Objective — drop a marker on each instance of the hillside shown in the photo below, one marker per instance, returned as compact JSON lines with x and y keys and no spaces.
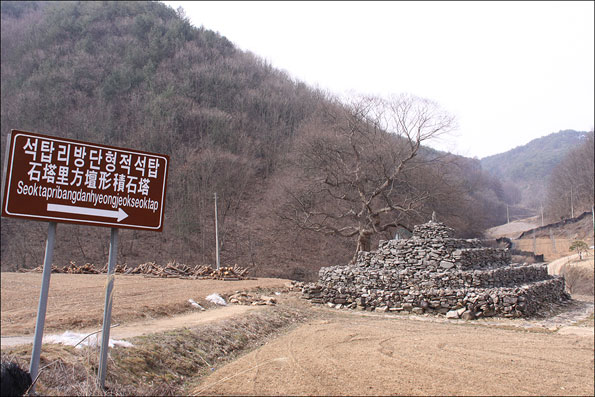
{"x":139,"y":75}
{"x":527,"y":167}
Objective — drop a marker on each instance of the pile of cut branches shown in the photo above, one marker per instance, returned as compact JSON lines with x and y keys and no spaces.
{"x":151,"y":269}
{"x":71,"y":268}
{"x":197,"y":272}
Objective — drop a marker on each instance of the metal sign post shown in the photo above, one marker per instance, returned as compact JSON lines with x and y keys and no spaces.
{"x":54,"y":179}
{"x":107,"y":310}
{"x":43,"y":301}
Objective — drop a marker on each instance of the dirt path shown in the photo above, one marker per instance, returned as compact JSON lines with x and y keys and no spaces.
{"x":554,"y":267}
{"x":351,"y":354}
{"x":138,"y":328}
{"x":76,"y":300}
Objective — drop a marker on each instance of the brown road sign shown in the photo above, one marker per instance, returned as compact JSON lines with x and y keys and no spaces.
{"x":63,"y":180}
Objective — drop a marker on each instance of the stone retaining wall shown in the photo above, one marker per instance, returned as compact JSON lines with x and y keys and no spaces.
{"x":435,"y":273}
{"x":517,"y":301}
{"x":397,"y":279}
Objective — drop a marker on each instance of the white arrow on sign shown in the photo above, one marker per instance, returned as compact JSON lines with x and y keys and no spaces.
{"x":71,"y":209}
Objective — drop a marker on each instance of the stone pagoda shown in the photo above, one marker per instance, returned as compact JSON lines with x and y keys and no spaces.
{"x":433,"y":272}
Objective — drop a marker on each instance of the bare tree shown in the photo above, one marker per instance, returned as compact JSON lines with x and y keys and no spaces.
{"x":355,"y":165}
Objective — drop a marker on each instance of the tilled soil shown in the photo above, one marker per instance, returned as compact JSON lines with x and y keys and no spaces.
{"x":355,"y":355}
{"x":76,"y":301}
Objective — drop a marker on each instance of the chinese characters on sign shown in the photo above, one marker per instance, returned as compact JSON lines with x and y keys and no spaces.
{"x":63,"y":180}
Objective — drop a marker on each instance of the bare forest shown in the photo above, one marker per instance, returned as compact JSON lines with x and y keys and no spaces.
{"x":304,"y":180}
{"x":571,"y":186}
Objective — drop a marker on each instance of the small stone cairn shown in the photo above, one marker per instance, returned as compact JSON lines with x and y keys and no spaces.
{"x":432,"y":272}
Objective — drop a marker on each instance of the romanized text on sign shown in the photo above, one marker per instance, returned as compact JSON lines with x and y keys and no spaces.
{"x":64,"y":180}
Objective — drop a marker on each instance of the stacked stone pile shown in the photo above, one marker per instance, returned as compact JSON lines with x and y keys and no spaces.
{"x":251,"y":298}
{"x":435,"y":254}
{"x":432,"y":230}
{"x":435,"y":273}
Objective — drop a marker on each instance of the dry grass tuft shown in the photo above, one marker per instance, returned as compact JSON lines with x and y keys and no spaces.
{"x":579,"y":279}
{"x":65,"y":370}
{"x":177,"y":357}
{"x":166,"y":363}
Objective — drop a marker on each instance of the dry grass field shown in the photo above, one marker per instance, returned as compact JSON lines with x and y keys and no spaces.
{"x":355,"y":355}
{"x":553,"y":241}
{"x":512,"y":229}
{"x":76,"y":301}
{"x":551,"y":250}
{"x":579,"y":274}
{"x":293,"y":348}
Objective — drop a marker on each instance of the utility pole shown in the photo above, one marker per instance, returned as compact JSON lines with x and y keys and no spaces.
{"x":507,"y":216}
{"x":216,"y":233}
{"x":571,"y":204}
{"x":541,"y":205}
{"x":593,"y":214}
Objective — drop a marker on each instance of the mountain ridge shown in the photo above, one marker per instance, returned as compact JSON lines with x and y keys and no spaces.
{"x":528,"y":166}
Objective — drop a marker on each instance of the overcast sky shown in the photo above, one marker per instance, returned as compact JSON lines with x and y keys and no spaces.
{"x":509,"y":71}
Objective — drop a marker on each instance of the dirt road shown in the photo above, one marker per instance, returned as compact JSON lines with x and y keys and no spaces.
{"x":356,"y":355}
{"x":554,"y":267}
{"x":76,"y":300}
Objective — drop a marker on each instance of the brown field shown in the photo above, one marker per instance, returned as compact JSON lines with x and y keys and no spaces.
{"x":355,"y":355}
{"x":326,"y":352}
{"x":512,"y":229}
{"x":544,"y":245}
{"x":76,"y":301}
{"x":553,"y":241}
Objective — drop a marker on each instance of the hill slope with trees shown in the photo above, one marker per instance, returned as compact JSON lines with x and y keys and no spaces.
{"x":571,"y":185}
{"x":526,"y":167}
{"x":139,"y":75}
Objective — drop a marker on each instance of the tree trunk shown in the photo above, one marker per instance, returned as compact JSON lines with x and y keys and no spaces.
{"x":363,"y":243}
